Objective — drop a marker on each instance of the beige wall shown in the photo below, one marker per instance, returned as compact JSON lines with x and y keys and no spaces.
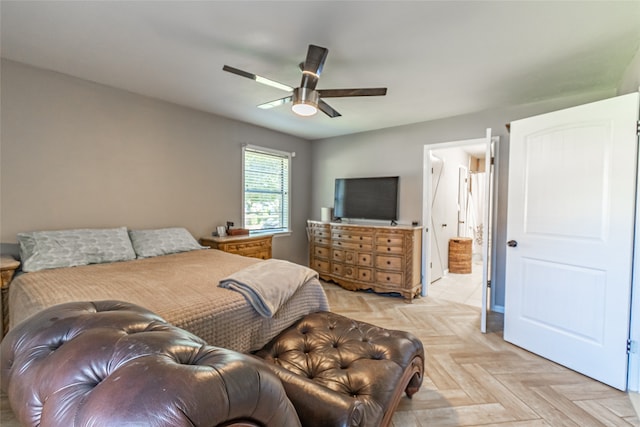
{"x":399,"y":151}
{"x":79,"y":154}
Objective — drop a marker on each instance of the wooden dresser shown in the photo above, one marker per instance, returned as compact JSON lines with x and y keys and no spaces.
{"x":8,"y":267}
{"x":380,"y":258}
{"x":251,"y":246}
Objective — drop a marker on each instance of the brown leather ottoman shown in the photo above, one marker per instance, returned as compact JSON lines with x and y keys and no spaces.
{"x":340,"y":372}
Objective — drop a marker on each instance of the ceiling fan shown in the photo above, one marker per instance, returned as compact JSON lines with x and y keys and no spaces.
{"x":306,"y":99}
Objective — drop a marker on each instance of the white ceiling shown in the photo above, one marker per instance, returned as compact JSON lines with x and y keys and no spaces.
{"x":437,"y":59}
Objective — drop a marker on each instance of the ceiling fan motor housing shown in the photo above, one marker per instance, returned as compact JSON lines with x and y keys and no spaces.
{"x":305,"y":97}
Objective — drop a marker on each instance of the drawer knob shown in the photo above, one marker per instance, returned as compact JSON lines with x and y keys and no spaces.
{"x":388,"y":278}
{"x":388,"y":240}
{"x":388,"y":262}
{"x":388,"y":249}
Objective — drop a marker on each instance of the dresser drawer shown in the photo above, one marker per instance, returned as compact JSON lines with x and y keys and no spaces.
{"x":321,"y":252}
{"x":365,"y":260}
{"x":321,"y":266}
{"x":389,"y":262}
{"x":389,"y":240}
{"x":245,"y":247}
{"x":337,"y":268}
{"x":321,"y":232}
{"x":261,"y":254}
{"x":351,"y":237}
{"x":385,"y":249}
{"x":251,"y":246}
{"x":365,"y":274}
{"x":345,"y":244}
{"x":349,"y":272}
{"x":338,"y":255}
{"x":318,"y":240}
{"x":316,"y":226}
{"x":385,"y":277}
{"x":350,"y":257}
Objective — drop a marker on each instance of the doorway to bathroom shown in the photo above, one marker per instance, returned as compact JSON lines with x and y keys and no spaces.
{"x":457,"y":213}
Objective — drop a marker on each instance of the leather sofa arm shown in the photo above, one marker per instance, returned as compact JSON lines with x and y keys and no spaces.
{"x":110,"y":363}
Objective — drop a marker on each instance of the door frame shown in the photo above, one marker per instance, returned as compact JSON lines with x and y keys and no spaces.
{"x":426,"y":206}
{"x":633,"y":364}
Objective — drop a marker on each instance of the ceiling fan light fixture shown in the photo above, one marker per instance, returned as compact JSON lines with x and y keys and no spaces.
{"x":304,"y":109}
{"x":305,"y":101}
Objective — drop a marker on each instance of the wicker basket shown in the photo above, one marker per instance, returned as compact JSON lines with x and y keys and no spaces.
{"x":460,"y":255}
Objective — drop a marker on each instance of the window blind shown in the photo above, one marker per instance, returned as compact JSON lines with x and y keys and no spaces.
{"x":266,"y":189}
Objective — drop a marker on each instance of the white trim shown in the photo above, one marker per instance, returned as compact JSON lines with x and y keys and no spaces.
{"x":426,"y":209}
{"x":268,"y":150}
{"x":272,"y":151}
{"x":633,"y":365}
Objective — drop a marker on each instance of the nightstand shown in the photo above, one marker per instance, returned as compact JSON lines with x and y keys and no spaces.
{"x":8,"y":267}
{"x":251,"y":246}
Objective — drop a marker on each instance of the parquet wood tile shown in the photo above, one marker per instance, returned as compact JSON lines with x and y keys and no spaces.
{"x":475,"y":379}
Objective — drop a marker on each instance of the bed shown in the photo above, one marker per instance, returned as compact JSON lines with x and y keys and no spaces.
{"x":180,"y":287}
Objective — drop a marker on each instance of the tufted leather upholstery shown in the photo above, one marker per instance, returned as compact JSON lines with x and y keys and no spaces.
{"x":111,"y":363}
{"x":341,"y":372}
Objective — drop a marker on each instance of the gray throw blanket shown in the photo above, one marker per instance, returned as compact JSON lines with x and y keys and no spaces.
{"x":269,"y":284}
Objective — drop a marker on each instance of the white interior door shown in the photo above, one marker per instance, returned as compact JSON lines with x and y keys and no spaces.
{"x":572,"y":177}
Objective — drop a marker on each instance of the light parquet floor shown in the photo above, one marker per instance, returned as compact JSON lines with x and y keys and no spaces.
{"x":474,"y":379}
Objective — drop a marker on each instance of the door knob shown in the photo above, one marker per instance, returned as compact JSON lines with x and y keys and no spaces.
{"x":512,"y":243}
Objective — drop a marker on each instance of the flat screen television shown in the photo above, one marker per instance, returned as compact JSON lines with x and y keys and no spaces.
{"x":366,"y":198}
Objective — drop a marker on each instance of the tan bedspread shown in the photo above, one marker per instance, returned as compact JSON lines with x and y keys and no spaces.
{"x":182,"y":288}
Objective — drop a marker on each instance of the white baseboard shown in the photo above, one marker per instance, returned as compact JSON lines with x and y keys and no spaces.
{"x":498,"y":308}
{"x":635,"y":402}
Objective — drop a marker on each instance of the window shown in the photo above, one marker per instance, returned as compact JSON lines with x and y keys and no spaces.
{"x":265,"y":189}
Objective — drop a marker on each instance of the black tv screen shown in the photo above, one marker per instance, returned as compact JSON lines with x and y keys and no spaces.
{"x":366,"y":198}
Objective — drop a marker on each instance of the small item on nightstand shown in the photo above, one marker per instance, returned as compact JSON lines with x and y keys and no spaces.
{"x":237,"y":231}
{"x":221,"y":230}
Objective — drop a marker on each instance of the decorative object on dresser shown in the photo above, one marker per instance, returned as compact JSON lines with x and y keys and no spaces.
{"x":380,"y":258}
{"x":251,"y":246}
{"x":238,"y":231}
{"x":8,"y":267}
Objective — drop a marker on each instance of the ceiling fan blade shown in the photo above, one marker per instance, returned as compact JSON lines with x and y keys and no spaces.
{"x":327,"y":109}
{"x":276,"y":103}
{"x":312,"y":66}
{"x":316,"y":56}
{"x":340,"y":93}
{"x":259,"y":79}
